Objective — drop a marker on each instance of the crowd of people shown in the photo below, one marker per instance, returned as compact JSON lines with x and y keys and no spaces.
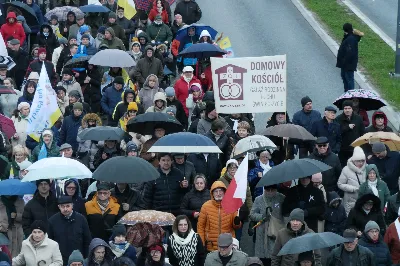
{"x":75,"y":222}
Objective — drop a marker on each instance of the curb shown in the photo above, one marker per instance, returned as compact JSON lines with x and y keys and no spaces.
{"x":360,"y":79}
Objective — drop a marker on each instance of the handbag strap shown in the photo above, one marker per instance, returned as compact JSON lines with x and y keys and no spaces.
{"x":358,"y":179}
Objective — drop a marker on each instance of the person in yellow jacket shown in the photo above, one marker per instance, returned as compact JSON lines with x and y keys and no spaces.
{"x":213,"y":220}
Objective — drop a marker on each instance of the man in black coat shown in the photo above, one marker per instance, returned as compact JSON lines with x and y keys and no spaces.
{"x":69,"y":229}
{"x":74,"y":97}
{"x":19,"y":56}
{"x":328,"y":127}
{"x":166,"y":193}
{"x":208,"y":165}
{"x":308,"y":198}
{"x":347,"y":57}
{"x":189,"y":10}
{"x":322,"y":152}
{"x":218,"y":135}
{"x":129,"y":199}
{"x":42,"y":206}
{"x":186,"y":167}
{"x":351,"y":128}
{"x":36,"y":66}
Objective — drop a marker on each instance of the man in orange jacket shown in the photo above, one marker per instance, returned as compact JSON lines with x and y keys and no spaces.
{"x":213,"y":220}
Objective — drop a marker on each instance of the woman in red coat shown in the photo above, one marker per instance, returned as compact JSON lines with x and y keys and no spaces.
{"x":159,"y":9}
{"x":12,"y":29}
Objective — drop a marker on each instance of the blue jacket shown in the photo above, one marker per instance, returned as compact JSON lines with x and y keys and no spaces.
{"x":380,"y":250}
{"x":23,"y":99}
{"x":69,"y":131}
{"x":38,"y":14}
{"x":306,"y":120}
{"x":253,"y":178}
{"x":110,"y":99}
{"x":332,"y":131}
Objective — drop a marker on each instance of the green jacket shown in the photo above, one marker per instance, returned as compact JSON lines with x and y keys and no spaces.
{"x":159,"y":33}
{"x":118,"y":31}
{"x":5,"y":173}
{"x":53,"y":151}
{"x":381,"y":186}
{"x":115,"y":42}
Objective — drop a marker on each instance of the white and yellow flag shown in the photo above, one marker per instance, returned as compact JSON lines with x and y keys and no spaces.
{"x":44,"y":109}
{"x":129,"y":8}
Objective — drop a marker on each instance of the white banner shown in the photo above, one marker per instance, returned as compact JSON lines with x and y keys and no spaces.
{"x":249,"y":84}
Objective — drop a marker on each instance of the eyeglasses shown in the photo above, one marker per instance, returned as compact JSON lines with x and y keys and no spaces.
{"x":71,"y":188}
{"x":105,"y":193}
{"x":322,"y":145}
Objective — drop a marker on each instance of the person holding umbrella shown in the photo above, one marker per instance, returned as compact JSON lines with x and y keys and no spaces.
{"x":151,"y":157}
{"x":109,"y":150}
{"x":306,"y":259}
{"x":129,"y":199}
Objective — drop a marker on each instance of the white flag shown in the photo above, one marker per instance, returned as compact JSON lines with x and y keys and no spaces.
{"x":241,"y":179}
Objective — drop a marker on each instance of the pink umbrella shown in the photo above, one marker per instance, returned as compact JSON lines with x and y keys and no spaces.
{"x":7,"y":126}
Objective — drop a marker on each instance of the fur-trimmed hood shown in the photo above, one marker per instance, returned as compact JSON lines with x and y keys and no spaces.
{"x":91,"y":116}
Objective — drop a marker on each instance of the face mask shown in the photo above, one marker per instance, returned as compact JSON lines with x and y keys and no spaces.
{"x":120,"y":15}
{"x":158,"y":22}
{"x":46,"y":34}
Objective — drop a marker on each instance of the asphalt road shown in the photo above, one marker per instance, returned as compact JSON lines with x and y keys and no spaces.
{"x":382,"y":12}
{"x":269,"y":27}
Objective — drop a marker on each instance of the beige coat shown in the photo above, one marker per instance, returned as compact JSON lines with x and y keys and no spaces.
{"x":349,"y":181}
{"x":62,"y":104}
{"x":15,"y":234}
{"x":48,"y":252}
{"x":20,"y":125}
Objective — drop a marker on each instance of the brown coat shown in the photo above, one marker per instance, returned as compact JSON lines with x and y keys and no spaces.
{"x":213,"y":221}
{"x":392,"y":240}
{"x":148,"y":155}
{"x":16,"y":234}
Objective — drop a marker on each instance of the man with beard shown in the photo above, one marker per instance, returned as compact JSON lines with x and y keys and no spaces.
{"x":126,"y":24}
{"x":19,"y":57}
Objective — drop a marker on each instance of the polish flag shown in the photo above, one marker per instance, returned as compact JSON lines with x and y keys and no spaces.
{"x":236,"y":193}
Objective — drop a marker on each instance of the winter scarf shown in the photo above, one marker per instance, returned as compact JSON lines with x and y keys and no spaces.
{"x":184,"y":249}
{"x":119,"y":249}
{"x":34,"y":243}
{"x":265,"y":167}
{"x":372,"y":186}
{"x":103,"y":204}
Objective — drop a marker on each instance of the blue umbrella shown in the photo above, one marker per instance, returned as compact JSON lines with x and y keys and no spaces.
{"x":94,"y":8}
{"x":10,"y":187}
{"x":185,"y":142}
{"x":202,"y":50}
{"x":183,"y":32}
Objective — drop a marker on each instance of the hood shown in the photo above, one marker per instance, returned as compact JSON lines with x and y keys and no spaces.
{"x":208,"y":96}
{"x":333,"y":197}
{"x":370,"y":167}
{"x":385,"y":120}
{"x":11,"y":15}
{"x":46,"y":26}
{"x":99,"y":242}
{"x":111,"y":31}
{"x":22,"y":19}
{"x":125,"y":93}
{"x":148,"y":47}
{"x":366,"y":197}
{"x":216,"y":184}
{"x":160,"y":96}
{"x":78,"y":188}
{"x":272,"y":121}
{"x":143,"y":35}
{"x":146,"y":83}
{"x":91,"y":116}
{"x":254,"y":261}
{"x":204,"y":33}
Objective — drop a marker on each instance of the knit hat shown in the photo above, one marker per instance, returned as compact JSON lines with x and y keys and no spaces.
{"x":210,"y":106}
{"x":83,"y":29}
{"x":143,"y":16}
{"x":170,"y":91}
{"x":371,"y":225}
{"x":231,"y":161}
{"x":297,"y":214}
{"x":119,"y":80}
{"x":378,"y":147}
{"x":53,"y":17}
{"x":187,"y":69}
{"x":77,"y":106}
{"x":157,"y":247}
{"x":74,"y":93}
{"x":39,"y":224}
{"x":347,"y":27}
{"x":347,"y":103}
{"x":118,"y":230}
{"x":316,"y":177}
{"x":71,"y":37}
{"x":305,"y":100}
{"x":67,"y":71}
{"x":20,"y":18}
{"x":158,"y":17}
{"x":112,"y":15}
{"x":42,"y":50}
{"x":171,"y":109}
{"x":132,"y":106}
{"x":131,"y":146}
{"x":306,"y":256}
{"x":63,"y":40}
{"x":85,"y":36}
{"x":358,"y":154}
{"x":76,"y":256}
{"x":42,"y":180}
{"x":195,"y":87}
{"x":22,"y":105}
{"x":47,"y":132}
{"x":33,"y":75}
{"x":102,"y":30}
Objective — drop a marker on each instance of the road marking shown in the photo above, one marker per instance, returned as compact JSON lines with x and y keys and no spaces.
{"x":389,"y":41}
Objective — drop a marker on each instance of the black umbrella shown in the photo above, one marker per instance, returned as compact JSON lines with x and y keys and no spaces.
{"x":145,"y":124}
{"x":78,"y":62}
{"x":126,"y":169}
{"x":290,"y":131}
{"x":102,"y":133}
{"x":311,"y":241}
{"x":27,"y":12}
{"x":291,"y":170}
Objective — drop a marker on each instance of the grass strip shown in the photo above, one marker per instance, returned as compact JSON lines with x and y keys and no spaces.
{"x":376,"y":58}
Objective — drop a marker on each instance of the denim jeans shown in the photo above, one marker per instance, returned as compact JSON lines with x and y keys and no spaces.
{"x":348,"y":79}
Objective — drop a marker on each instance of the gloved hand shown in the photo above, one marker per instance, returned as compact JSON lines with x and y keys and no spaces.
{"x":302,"y":205}
{"x":236,"y":220}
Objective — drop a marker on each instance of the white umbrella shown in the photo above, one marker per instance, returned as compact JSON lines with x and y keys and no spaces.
{"x":112,"y":58}
{"x":251,"y":145}
{"x":56,"y":168}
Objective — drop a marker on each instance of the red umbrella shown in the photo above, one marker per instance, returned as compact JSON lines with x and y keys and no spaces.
{"x":6,"y":90}
{"x":7,"y":126}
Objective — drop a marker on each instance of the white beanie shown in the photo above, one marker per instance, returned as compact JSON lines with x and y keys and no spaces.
{"x":47,"y":132}
{"x":316,"y":177}
{"x":232,"y":161}
{"x":358,"y":154}
{"x":204,"y":33}
{"x":22,"y":105}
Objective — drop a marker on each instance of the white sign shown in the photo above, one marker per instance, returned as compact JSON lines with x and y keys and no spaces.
{"x":249,"y":84}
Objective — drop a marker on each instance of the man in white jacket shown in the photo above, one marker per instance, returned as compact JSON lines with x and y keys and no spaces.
{"x":57,"y":52}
